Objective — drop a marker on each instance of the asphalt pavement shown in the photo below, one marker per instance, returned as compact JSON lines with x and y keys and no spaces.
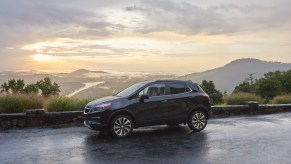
{"x":238,"y":140}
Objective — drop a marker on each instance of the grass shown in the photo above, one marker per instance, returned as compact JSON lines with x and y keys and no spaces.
{"x":59,"y":104}
{"x":241,"y":98}
{"x":284,"y":99}
{"x":18,"y":103}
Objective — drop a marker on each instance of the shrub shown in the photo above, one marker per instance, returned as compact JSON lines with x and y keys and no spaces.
{"x":58,"y":104}
{"x":284,"y":99}
{"x":240,"y":98}
{"x":18,"y":103}
{"x":209,"y":88}
{"x":268,"y":88}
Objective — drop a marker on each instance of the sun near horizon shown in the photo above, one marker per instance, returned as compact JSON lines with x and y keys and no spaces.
{"x":155,"y":36}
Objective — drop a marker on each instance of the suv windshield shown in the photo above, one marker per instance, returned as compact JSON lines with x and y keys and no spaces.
{"x":130,"y":90}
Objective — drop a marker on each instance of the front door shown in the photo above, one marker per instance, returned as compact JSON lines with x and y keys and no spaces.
{"x":152,"y":110}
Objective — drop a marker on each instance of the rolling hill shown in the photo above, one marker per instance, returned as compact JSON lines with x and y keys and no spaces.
{"x":225,"y":78}
{"x":82,"y":72}
{"x":232,"y":74}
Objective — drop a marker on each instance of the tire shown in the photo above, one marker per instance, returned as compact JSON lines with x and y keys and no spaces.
{"x":197,"y":121}
{"x":121,"y":126}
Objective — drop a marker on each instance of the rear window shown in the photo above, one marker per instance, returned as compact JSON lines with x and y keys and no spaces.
{"x":200,"y":88}
{"x":178,"y":88}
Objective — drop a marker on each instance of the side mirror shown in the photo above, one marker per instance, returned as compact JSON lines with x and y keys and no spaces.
{"x":143,"y":97}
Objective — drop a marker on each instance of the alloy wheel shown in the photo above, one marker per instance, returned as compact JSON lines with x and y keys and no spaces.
{"x":199,"y":120}
{"x":122,"y":126}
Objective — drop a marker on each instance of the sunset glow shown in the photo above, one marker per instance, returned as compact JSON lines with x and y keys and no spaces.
{"x":43,"y":58}
{"x":143,"y":35}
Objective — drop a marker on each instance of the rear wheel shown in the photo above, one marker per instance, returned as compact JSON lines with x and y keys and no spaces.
{"x":197,"y":121}
{"x":121,"y":126}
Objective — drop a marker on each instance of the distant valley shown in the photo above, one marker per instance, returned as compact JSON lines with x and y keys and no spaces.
{"x":84,"y":83}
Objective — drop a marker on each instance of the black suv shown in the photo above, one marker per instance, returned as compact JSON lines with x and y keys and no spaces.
{"x":150,"y":103}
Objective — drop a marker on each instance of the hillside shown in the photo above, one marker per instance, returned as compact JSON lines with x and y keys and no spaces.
{"x":230,"y":75}
{"x":85,"y":81}
{"x":81,"y":72}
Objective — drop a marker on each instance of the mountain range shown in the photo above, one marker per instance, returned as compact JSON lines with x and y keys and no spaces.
{"x":84,"y":83}
{"x":227,"y":77}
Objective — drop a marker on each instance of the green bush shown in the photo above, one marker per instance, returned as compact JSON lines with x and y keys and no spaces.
{"x":240,"y":98}
{"x":18,"y":103}
{"x":214,"y":94}
{"x":284,"y":99}
{"x":59,"y":104}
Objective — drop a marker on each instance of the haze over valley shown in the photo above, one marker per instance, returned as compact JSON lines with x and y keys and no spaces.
{"x":84,"y":83}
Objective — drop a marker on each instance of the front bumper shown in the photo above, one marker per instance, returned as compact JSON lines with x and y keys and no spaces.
{"x":94,"y":121}
{"x":97,"y":127}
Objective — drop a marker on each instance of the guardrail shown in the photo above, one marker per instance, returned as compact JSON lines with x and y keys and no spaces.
{"x":248,"y":109}
{"x":38,"y":117}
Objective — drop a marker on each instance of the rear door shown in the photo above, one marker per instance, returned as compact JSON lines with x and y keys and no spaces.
{"x":179,"y":101}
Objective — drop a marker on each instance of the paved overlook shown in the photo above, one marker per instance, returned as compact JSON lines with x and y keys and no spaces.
{"x":255,"y":139}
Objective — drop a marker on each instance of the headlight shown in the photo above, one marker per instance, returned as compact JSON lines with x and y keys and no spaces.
{"x":100,"y":108}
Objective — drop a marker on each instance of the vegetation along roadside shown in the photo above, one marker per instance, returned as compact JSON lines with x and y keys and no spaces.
{"x":16,"y":96}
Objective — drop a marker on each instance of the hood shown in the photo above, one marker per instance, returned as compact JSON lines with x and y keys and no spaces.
{"x":107,"y":99}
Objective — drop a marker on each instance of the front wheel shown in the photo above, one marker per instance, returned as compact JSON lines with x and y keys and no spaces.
{"x":197,"y":121}
{"x":121,"y":126}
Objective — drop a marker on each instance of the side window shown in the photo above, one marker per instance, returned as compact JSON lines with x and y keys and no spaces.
{"x":154,"y":90}
{"x":178,"y":88}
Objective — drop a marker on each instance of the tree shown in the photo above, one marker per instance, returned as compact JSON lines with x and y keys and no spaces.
{"x":31,"y":88}
{"x":5,"y":87}
{"x":47,"y":87}
{"x":282,"y":77}
{"x":247,"y":86}
{"x":286,"y":82}
{"x":19,"y":85}
{"x":14,"y":86}
{"x":268,"y":88}
{"x":250,"y":79}
{"x":214,"y":94}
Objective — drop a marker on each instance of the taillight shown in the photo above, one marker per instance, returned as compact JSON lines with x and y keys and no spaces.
{"x":206,"y":97}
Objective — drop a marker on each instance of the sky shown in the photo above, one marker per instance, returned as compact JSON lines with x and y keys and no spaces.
{"x":141,"y":35}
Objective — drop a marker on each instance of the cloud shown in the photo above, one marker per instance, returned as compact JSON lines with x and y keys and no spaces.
{"x":31,"y":21}
{"x":65,"y":47}
{"x":188,"y":18}
{"x":23,"y":22}
{"x":135,"y":28}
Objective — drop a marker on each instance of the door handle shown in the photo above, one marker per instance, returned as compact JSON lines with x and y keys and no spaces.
{"x":164,"y":101}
